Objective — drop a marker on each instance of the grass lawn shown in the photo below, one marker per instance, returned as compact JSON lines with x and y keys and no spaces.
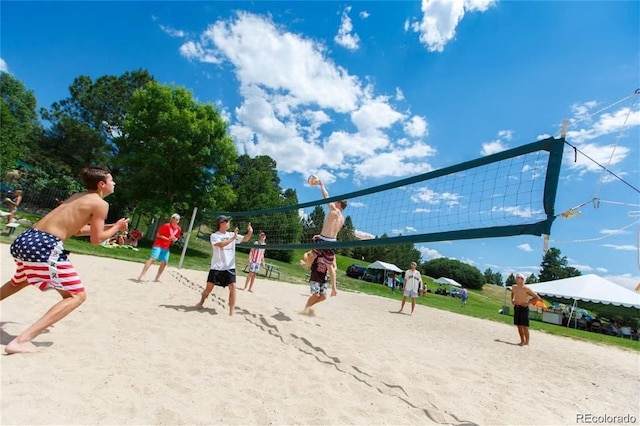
{"x":481,"y":304}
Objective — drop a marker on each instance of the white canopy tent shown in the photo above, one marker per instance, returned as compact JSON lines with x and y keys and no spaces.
{"x":591,"y":289}
{"x":383,"y":265}
{"x":448,"y":281}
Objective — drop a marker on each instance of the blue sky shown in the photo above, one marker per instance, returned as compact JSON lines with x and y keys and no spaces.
{"x":363,"y":93}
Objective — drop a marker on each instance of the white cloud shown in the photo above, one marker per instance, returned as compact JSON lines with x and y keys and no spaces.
{"x":361,"y":235}
{"x":399,"y":94}
{"x":580,"y":111}
{"x":492,"y":147}
{"x":426,"y":195}
{"x":613,"y":231}
{"x":344,"y":37}
{"x":3,"y":65}
{"x":172,"y":32}
{"x":525,"y":247}
{"x":499,"y":144}
{"x":399,"y":162}
{"x":602,"y":270}
{"x":224,"y":112}
{"x":518,"y":211}
{"x":627,"y":247}
{"x":364,"y":14}
{"x":605,"y":125}
{"x":416,"y":127}
{"x":607,"y":155}
{"x":375,"y":114}
{"x":582,"y":268}
{"x":441,"y":17}
{"x":506,"y":135}
{"x":428,"y":254}
{"x":296,"y":102}
{"x":407,"y":25}
{"x":193,"y":50}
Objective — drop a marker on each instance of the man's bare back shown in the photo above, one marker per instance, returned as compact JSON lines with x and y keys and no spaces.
{"x":72,"y":216}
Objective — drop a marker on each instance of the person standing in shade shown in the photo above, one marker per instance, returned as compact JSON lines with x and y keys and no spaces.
{"x":521,"y":297}
{"x":412,"y":283}
{"x":256,"y":258}
{"x":391,"y":281}
{"x":167,"y":234}
{"x":223,"y":260}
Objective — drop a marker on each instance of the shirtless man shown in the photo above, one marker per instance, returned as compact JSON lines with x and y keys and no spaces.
{"x":521,"y":297}
{"x":42,"y":261}
{"x":332,"y":225}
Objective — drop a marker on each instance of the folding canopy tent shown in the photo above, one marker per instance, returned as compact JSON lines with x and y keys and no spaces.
{"x":593,"y":292}
{"x":384,"y":266}
{"x":448,"y":281}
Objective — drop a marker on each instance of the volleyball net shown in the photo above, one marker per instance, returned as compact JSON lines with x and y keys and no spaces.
{"x":509,"y":193}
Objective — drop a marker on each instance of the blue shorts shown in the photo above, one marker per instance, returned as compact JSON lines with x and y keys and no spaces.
{"x":319,"y":288}
{"x":254,"y":267}
{"x":160,"y":254}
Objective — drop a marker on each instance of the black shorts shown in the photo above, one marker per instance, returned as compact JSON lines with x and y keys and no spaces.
{"x":222,"y":278}
{"x":521,"y":315}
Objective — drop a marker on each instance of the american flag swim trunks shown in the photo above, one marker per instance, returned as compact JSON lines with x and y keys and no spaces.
{"x":41,"y":260}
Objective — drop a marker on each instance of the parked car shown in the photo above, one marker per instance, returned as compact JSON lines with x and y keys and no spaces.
{"x":356,"y":271}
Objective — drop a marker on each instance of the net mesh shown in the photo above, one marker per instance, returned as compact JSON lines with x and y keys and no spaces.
{"x":508,"y":193}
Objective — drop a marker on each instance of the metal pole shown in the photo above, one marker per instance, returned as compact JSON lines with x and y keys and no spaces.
{"x":186,"y":241}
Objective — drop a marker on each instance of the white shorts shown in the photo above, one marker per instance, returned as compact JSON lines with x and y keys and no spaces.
{"x":254,"y":267}
{"x":410,"y":293}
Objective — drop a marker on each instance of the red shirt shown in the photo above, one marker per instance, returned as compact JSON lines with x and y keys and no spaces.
{"x":167,"y":230}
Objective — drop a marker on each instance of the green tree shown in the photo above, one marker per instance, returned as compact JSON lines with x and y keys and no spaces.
{"x":554,"y":267}
{"x":531,"y":279}
{"x":347,"y":233}
{"x":312,"y":224}
{"x":493,"y":277}
{"x":85,"y":127}
{"x":511,"y":280}
{"x":256,"y":184}
{"x":19,"y":125}
{"x":467,"y":275}
{"x":257,"y":187}
{"x":175,"y":153}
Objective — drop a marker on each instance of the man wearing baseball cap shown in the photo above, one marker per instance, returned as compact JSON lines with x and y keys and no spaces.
{"x":521,"y":297}
{"x":223,"y":260}
{"x":167,"y":235}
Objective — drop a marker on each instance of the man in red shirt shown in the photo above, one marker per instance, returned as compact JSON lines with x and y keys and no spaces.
{"x":167,"y":235}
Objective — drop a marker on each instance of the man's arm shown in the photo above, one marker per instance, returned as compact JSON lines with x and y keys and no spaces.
{"x":249,"y":233}
{"x":534,"y":296}
{"x":325,"y":194}
{"x":99,"y":232}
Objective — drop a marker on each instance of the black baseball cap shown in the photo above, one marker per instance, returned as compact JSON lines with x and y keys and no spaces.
{"x":222,"y":218}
